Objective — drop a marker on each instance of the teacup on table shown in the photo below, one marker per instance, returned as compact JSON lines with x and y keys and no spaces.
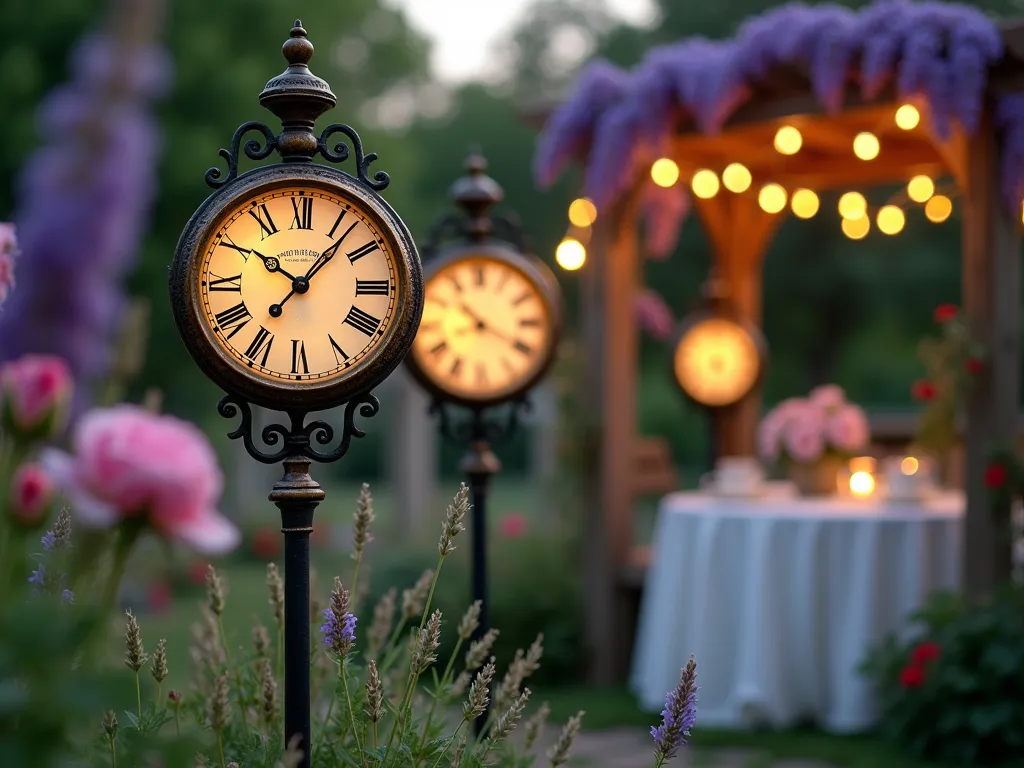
{"x":906,"y":478}
{"x":738,"y":476}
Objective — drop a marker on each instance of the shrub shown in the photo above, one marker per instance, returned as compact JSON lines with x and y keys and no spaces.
{"x":954,"y":692}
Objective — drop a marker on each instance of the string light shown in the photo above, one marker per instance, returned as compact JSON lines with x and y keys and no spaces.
{"x":938,"y":208}
{"x":804,"y":203}
{"x":736,"y":178}
{"x":866,"y":146}
{"x":909,"y":466}
{"x":771,"y":198}
{"x":907,"y":117}
{"x":920,"y":189}
{"x":582,"y":212}
{"x":852,"y":205}
{"x":788,"y":140}
{"x":890,"y":220}
{"x":856,"y":229}
{"x":704,"y":184}
{"x":664,"y":172}
{"x":570,"y":254}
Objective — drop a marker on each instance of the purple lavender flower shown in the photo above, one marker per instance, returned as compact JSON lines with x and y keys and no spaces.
{"x":678,"y":717}
{"x":49,"y":541}
{"x":339,"y":635}
{"x":94,"y":174}
{"x":67,"y":596}
{"x":38,"y":578}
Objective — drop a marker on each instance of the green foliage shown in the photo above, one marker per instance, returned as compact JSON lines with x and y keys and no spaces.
{"x":967,"y":705}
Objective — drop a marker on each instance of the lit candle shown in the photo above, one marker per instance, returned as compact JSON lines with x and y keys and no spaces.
{"x":862,"y":477}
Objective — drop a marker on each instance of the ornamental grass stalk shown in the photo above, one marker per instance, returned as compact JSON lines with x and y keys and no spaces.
{"x":135,"y":657}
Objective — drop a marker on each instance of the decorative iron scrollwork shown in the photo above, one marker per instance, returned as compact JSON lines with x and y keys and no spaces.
{"x":298,"y":438}
{"x":508,"y":226}
{"x":449,"y":225}
{"x":491,"y":425}
{"x":340,"y":153}
{"x":252,"y":149}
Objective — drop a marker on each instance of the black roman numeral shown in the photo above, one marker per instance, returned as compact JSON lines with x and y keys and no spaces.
{"x":218,"y":283}
{"x":480,"y":276}
{"x":303,"y":208}
{"x":233,"y":319}
{"x":362,"y":250}
{"x":339,"y":353}
{"x":232,"y":244}
{"x":260,"y":343}
{"x":521,"y":347}
{"x":438,"y":348}
{"x":521,"y":299}
{"x":362,"y":321}
{"x":529,"y":322}
{"x":299,"y":356}
{"x":260,"y":213}
{"x":456,"y":367}
{"x":372,"y":287}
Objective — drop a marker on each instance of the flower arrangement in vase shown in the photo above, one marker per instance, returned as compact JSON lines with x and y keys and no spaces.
{"x":813,"y":437}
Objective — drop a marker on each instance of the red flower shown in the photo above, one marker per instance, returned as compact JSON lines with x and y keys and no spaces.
{"x":513,"y":526}
{"x":995,"y":475}
{"x":266,"y":544}
{"x":174,"y":697}
{"x":923,"y":390}
{"x":912,"y":676}
{"x":973,"y":365}
{"x":946,"y":312}
{"x":925,"y":653}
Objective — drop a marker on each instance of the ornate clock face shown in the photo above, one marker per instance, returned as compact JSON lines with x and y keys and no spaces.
{"x":298,"y":283}
{"x":488,"y":329}
{"x":717,"y":362}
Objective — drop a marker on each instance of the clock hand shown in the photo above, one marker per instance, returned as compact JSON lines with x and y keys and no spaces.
{"x":273,"y":264}
{"x":324,"y":257}
{"x":482,"y":326}
{"x":301,"y":284}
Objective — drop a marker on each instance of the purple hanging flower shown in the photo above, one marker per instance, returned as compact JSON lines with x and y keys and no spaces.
{"x":678,"y":717}
{"x":93,"y":175}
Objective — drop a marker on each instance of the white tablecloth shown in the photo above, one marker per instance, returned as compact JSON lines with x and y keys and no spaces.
{"x":780,"y":597}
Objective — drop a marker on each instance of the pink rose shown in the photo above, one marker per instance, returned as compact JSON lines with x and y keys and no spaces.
{"x":848,"y":429}
{"x":513,"y":526}
{"x":827,"y":397}
{"x":804,"y":441}
{"x":129,"y":462}
{"x":31,"y":493}
{"x":36,"y":394}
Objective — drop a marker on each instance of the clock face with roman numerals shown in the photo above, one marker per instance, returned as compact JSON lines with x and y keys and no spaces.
{"x":489,"y":328}
{"x":298,"y":283}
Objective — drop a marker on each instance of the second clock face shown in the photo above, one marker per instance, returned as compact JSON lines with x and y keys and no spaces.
{"x":487,"y":329}
{"x":298,"y":283}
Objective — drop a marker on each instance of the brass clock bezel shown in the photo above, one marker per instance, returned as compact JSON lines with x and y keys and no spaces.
{"x":283,"y":394}
{"x":700,"y":316}
{"x":546,"y":285}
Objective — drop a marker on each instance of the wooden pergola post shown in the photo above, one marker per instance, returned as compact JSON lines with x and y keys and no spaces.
{"x":991,"y":301}
{"x":610,"y":280}
{"x":739,"y":232}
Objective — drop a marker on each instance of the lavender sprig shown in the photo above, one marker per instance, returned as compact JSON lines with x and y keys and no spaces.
{"x":678,"y":716}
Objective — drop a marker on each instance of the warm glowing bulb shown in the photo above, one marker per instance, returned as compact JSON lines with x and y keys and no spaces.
{"x":909,"y":466}
{"x":866,"y":146}
{"x":890,"y":219}
{"x":570,"y":254}
{"x":856,"y":229}
{"x":920,"y":188}
{"x":771,"y":198}
{"x":938,"y":208}
{"x":788,"y":140}
{"x":852,"y":205}
{"x":736,"y":178}
{"x":804,"y":203}
{"x":704,"y":184}
{"x":907,"y":117}
{"x":582,"y":212}
{"x":862,"y":483}
{"x":665,"y":172}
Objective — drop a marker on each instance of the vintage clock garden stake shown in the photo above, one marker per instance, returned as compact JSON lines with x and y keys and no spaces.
{"x":297,"y":288}
{"x":717,"y":360}
{"x":491,"y":322}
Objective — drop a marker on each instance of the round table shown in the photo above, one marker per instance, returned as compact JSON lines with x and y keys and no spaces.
{"x":780,"y":597}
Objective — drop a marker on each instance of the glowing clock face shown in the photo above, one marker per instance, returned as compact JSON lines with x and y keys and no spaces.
{"x":717,"y":362}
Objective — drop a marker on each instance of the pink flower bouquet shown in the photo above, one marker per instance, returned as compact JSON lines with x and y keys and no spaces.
{"x":807,"y":430}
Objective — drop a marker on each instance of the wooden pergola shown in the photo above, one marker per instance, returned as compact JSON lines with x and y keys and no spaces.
{"x":739,"y":231}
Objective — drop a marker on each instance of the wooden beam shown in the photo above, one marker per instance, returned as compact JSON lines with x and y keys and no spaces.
{"x":991,"y":277}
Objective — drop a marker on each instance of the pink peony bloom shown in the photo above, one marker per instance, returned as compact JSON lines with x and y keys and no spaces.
{"x":36,"y":394}
{"x":8,"y":250}
{"x":828,"y":397}
{"x":848,"y":429}
{"x":513,"y":526}
{"x":129,"y":462}
{"x":31,"y":493}
{"x":805,"y":441}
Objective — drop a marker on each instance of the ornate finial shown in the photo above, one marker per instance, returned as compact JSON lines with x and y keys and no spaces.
{"x":298,"y":98}
{"x":477,"y":193}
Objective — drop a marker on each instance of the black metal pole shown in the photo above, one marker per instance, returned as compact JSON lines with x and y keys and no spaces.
{"x":480,"y":464}
{"x":297,"y":495}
